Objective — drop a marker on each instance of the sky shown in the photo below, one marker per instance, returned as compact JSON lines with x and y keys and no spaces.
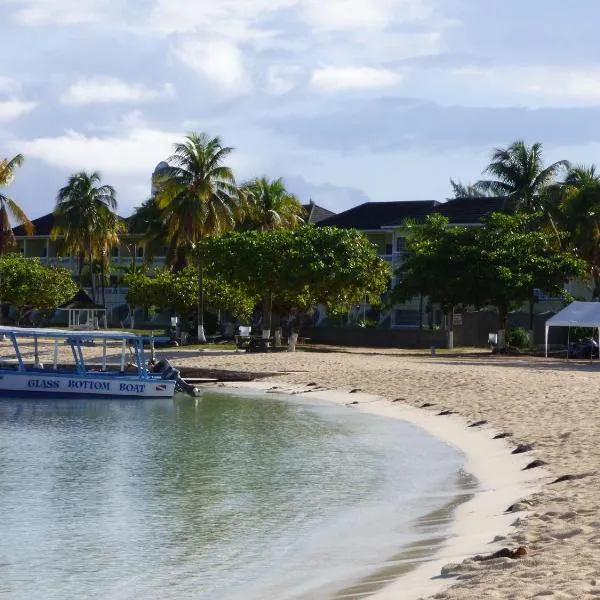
{"x":348,"y":100}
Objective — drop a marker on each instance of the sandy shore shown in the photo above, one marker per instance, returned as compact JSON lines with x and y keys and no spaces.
{"x":552,"y":405}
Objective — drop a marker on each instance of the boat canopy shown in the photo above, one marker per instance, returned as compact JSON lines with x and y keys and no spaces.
{"x":68,"y":333}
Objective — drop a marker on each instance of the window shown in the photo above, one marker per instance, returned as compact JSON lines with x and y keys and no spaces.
{"x":388,"y":249}
{"x":45,"y":252}
{"x":400,"y":244}
{"x":140,"y":252}
{"x":114,"y":252}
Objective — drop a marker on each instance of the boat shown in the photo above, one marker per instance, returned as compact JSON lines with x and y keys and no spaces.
{"x":134,"y":378}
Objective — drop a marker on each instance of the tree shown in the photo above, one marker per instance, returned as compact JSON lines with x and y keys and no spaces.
{"x":579,"y":211}
{"x":271,"y":206}
{"x":581,"y":175}
{"x":500,"y":264}
{"x":441,"y":263}
{"x":301,"y":268}
{"x":179,"y":291}
{"x":519,"y":174}
{"x":28,"y":285}
{"x":198,"y":196}
{"x":466,"y":191}
{"x":150,"y":221}
{"x":9,"y":209}
{"x":84,"y":218}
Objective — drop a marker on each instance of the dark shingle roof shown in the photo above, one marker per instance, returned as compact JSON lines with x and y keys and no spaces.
{"x":373,"y":215}
{"x":463,"y":211}
{"x":80,"y":300}
{"x":42,"y":226}
{"x":316,"y":213}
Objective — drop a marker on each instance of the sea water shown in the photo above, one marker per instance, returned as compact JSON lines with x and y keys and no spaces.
{"x":227,"y":497}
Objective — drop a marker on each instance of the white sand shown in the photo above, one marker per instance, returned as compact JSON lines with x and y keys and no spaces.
{"x":553,"y":405}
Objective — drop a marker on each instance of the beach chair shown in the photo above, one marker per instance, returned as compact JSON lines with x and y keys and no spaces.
{"x":243,"y":339}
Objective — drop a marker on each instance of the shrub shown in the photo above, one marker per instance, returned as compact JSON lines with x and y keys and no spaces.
{"x":518,"y":337}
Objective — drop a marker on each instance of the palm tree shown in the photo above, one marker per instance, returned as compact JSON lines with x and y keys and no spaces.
{"x":460,"y":190}
{"x":85,"y":219}
{"x":149,"y":220}
{"x":581,"y":175}
{"x":520,"y":175}
{"x":271,"y":206}
{"x":198,"y":197}
{"x":579,"y":210}
{"x":10,"y":209}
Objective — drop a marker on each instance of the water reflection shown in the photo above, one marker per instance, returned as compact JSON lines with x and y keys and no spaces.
{"x":227,"y":497}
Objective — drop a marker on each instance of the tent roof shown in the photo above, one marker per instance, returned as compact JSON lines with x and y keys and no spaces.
{"x":577,"y":314}
{"x":81,"y":301}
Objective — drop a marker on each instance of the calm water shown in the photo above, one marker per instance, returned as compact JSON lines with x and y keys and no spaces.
{"x":226,"y":498}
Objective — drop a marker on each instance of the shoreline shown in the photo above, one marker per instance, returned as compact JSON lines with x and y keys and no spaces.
{"x":476,"y":523}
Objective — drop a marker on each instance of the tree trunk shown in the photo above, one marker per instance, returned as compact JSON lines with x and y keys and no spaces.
{"x":201,"y":335}
{"x":530,"y":334}
{"x":92,"y":277}
{"x":450,"y":317}
{"x":80,"y":274}
{"x":502,"y":318}
{"x":102,"y":275}
{"x":266,"y":316}
{"x":420,"y":312}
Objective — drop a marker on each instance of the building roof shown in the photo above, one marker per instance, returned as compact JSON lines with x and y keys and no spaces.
{"x":374,"y":215}
{"x":42,"y":226}
{"x":316,"y":213}
{"x":463,"y":211}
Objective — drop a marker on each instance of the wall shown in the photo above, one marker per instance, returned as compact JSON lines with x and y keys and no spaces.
{"x":375,"y":338}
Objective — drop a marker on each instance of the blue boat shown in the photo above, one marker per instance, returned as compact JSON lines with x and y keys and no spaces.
{"x":134,"y":378}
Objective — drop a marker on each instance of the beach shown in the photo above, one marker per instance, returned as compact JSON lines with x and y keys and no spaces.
{"x":551,"y":405}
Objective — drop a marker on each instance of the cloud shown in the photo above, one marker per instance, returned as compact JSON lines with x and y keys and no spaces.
{"x":111,"y":89}
{"x":333,"y":197}
{"x":233,"y":19}
{"x":12,"y":109}
{"x":281,"y":79}
{"x":130,"y":155}
{"x":353,"y":15}
{"x":8,"y":85}
{"x":335,"y":79}
{"x":64,"y":12}
{"x":527,"y":85}
{"x":387,"y":125}
{"x":219,"y":61}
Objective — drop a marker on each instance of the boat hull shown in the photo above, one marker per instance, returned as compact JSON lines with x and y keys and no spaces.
{"x":50,"y":384}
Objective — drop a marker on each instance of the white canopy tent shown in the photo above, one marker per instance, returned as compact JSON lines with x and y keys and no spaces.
{"x":577,"y":314}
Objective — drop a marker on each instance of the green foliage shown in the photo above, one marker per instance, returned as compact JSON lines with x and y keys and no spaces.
{"x":499,"y":264}
{"x":518,"y":337}
{"x":299,"y":268}
{"x":270,"y":206}
{"x":179,"y":290}
{"x":28,"y":285}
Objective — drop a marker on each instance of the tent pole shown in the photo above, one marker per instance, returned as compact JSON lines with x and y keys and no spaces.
{"x":568,"y":340}
{"x":546,"y":340}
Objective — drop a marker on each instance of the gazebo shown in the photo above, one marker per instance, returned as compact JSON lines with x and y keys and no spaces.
{"x":84,"y":313}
